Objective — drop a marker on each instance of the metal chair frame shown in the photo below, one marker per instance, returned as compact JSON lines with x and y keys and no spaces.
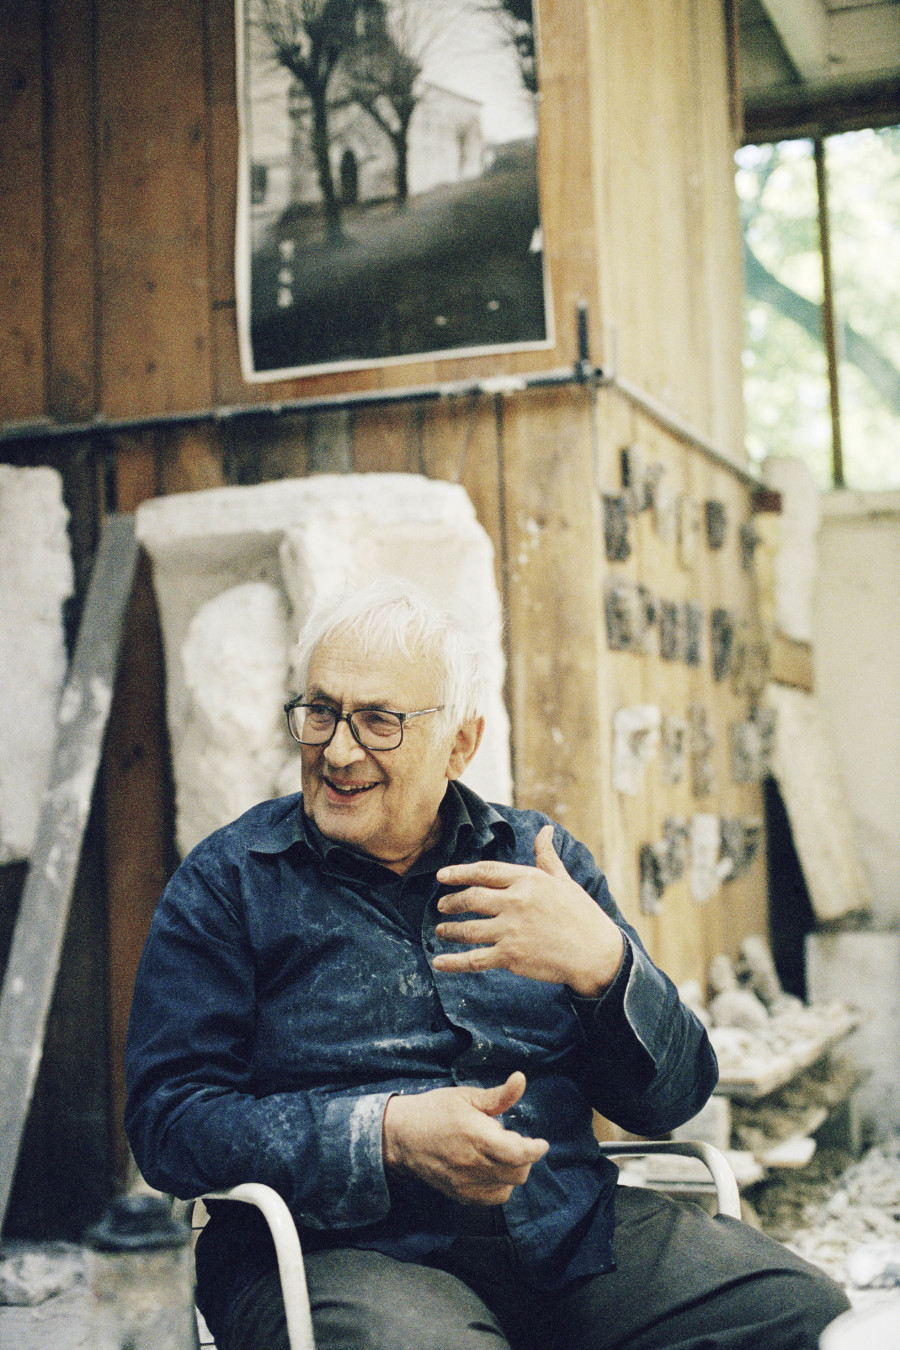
{"x":290,"y":1256}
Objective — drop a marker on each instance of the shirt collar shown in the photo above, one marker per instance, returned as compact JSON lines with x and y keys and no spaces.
{"x":466,"y":818}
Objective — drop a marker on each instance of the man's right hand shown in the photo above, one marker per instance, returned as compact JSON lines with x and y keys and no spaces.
{"x":451,"y":1139}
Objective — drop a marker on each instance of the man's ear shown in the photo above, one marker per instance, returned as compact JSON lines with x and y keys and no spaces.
{"x":468,"y":739}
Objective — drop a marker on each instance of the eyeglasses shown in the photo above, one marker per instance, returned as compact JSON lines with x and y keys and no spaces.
{"x":372,"y":728}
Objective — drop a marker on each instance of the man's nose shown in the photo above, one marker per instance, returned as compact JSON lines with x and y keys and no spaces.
{"x":343,"y":748}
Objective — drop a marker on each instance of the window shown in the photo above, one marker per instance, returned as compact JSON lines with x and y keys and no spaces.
{"x":822,"y":253}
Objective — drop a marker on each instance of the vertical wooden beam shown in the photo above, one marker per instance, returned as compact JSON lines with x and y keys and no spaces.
{"x":153,"y":209}
{"x":459,"y":444}
{"x":138,"y":821}
{"x":71,"y":262}
{"x":21,"y":211}
{"x":829,"y":328}
{"x":554,"y":607}
{"x":155,"y":356}
{"x":566,"y":158}
{"x":385,"y":441}
{"x":222,"y":165}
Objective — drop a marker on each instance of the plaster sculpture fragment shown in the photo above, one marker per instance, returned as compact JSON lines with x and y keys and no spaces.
{"x":756,"y":970}
{"x":716,"y":517}
{"x":675,"y":740}
{"x":234,"y":744}
{"x":652,"y":882}
{"x":663,"y":862}
{"x":676,"y":842}
{"x":663,"y":504}
{"x":304,"y":539}
{"x":36,"y":579}
{"x":688,"y":525}
{"x":751,"y":659}
{"x":702,"y":743}
{"x":648,"y":616}
{"x":670,"y":630}
{"x":748,"y":539}
{"x":708,"y":869}
{"x":631,"y":616}
{"x":722,"y":624}
{"x":620,"y":609}
{"x":615,"y":527}
{"x":741,"y":841}
{"x":752,"y":746}
{"x":729,"y":1004}
{"x":635,"y":741}
{"x":692,"y":631}
{"x":636,"y":479}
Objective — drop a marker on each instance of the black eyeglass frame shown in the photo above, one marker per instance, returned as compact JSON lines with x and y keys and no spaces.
{"x":339,"y":717}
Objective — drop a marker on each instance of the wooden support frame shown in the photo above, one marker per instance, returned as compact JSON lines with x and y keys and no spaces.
{"x":41,"y":924}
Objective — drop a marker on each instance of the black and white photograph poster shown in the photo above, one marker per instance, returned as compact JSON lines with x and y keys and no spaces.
{"x":388,"y":202}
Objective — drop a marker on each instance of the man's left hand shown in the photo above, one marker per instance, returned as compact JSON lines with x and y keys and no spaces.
{"x":539,"y":923}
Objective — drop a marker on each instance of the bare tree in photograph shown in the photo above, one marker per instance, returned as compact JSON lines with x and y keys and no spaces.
{"x":515,"y":18}
{"x":384,"y":67}
{"x":309,"y":38}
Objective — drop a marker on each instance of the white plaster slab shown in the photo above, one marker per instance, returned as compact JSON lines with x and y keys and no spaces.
{"x":635,"y":743}
{"x":808,"y":777}
{"x":707,"y":868}
{"x":298,"y":541}
{"x":35,"y":579}
{"x":795,"y":559}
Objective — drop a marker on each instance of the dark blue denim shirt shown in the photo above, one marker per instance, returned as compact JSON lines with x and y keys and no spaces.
{"x":286,"y":991}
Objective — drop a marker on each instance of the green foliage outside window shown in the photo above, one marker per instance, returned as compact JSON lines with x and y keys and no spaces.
{"x":785,"y":367}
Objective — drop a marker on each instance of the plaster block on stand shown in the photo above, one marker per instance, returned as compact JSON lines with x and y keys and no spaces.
{"x":279,"y":549}
{"x":35,"y":579}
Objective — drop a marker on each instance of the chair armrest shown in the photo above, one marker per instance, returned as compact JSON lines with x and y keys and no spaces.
{"x":727,"y":1194}
{"x":290,"y":1257}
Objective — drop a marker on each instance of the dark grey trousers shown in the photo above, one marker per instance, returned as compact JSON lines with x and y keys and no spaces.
{"x":683,"y":1281}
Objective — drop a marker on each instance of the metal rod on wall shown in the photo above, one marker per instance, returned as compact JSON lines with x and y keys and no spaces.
{"x":583,"y":373}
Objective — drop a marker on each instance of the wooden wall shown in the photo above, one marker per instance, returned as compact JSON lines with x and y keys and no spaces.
{"x":117,"y":198}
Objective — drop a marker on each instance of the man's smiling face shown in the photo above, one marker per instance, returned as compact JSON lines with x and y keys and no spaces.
{"x":384,"y":803}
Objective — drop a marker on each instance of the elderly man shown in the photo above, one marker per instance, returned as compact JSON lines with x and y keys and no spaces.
{"x":398,"y":1005}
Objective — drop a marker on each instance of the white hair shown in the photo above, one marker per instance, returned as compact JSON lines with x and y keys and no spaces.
{"x":391,"y":614}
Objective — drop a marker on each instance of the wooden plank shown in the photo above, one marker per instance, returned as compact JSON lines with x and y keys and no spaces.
{"x":34,"y":956}
{"x":460,"y":445}
{"x":554,"y":603}
{"x":191,"y":460}
{"x":137,"y":794}
{"x":70,"y":246}
{"x":667,"y":235}
{"x":567,"y":159}
{"x":21,"y":212}
{"x":387,"y":440}
{"x":684,"y":935}
{"x":152,"y":222}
